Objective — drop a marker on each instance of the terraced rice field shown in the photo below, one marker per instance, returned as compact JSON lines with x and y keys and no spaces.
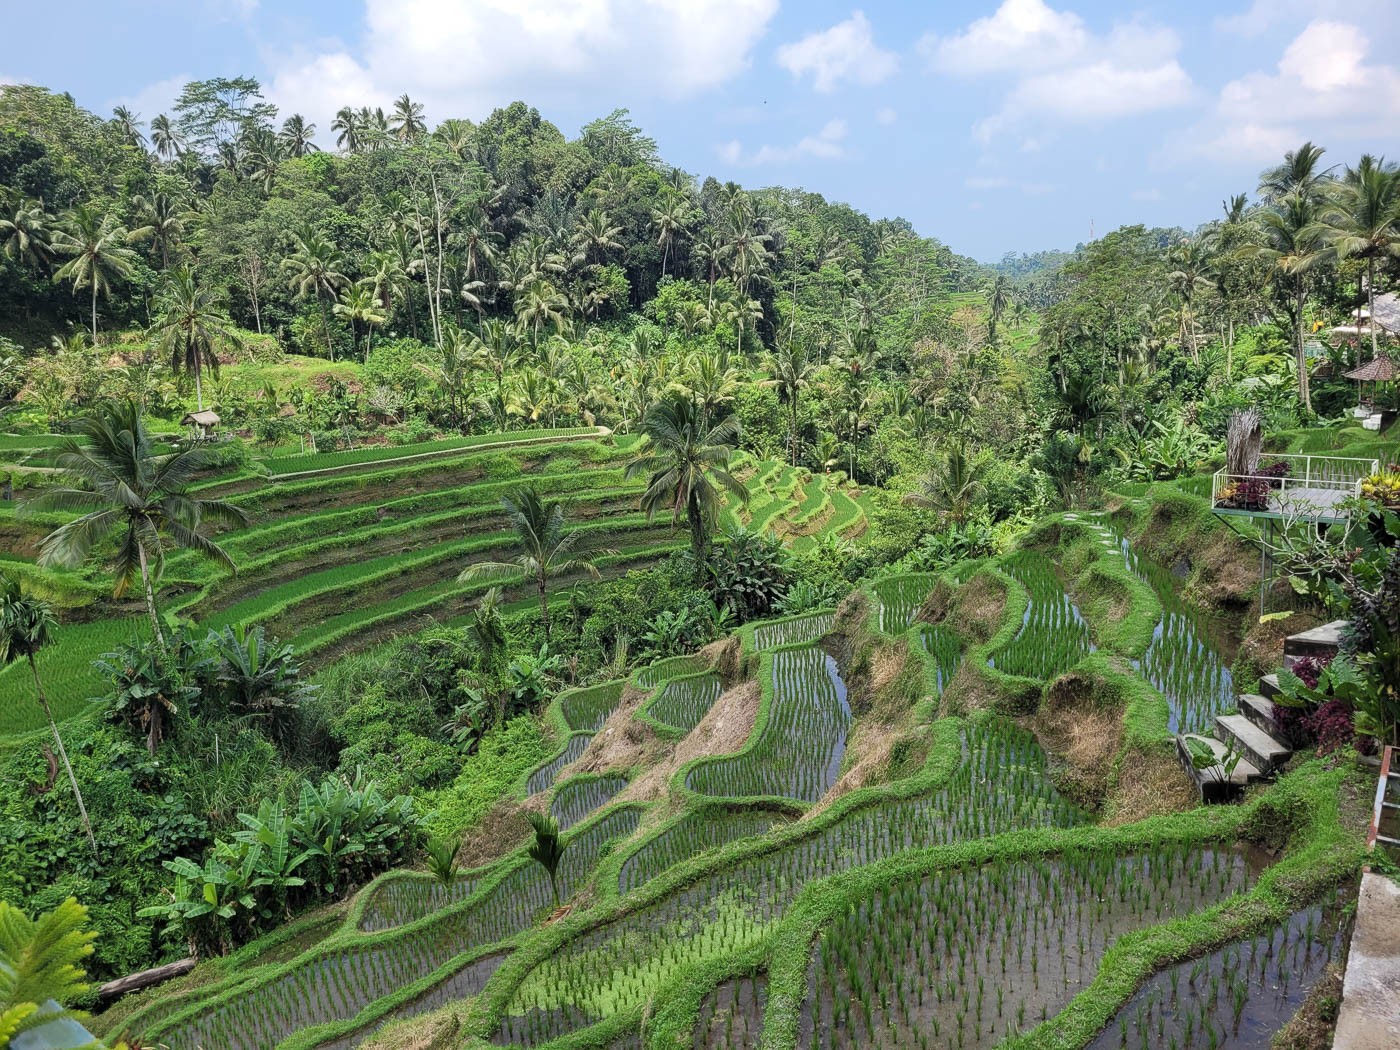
{"x":682,"y":702}
{"x":1053,"y":635}
{"x":798,"y":752}
{"x":900,"y":598}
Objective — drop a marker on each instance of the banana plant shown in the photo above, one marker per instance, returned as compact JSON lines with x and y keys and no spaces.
{"x":270,"y":829}
{"x":206,"y":900}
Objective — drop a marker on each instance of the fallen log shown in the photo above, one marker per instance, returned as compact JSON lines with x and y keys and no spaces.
{"x":134,"y":982}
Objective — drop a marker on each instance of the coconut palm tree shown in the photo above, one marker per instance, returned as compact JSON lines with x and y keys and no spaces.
{"x":1186,"y":279}
{"x":1289,"y":249}
{"x":997,"y":300}
{"x":711,"y":381}
{"x":296,"y":136}
{"x":27,"y":624}
{"x":541,"y":304}
{"x":166,"y":139}
{"x":191,"y":327}
{"x":163,"y":216}
{"x":1299,"y":173}
{"x":792,"y":373}
{"x":687,"y":466}
{"x":26,"y":231}
{"x":546,"y":550}
{"x":358,"y":303}
{"x":595,"y":237}
{"x":118,"y":483}
{"x":669,"y":221}
{"x":407,"y":122}
{"x":950,"y":487}
{"x":129,"y":126}
{"x":313,"y":268}
{"x":98,"y":250}
{"x":1362,"y":221}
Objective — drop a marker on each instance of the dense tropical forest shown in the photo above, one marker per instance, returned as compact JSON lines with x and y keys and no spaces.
{"x":685,"y":580}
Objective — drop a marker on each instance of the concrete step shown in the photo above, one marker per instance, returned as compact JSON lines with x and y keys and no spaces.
{"x":1259,"y":748}
{"x":1212,"y":784}
{"x":1320,"y":641}
{"x":1260,"y":711}
{"x":1268,"y":686}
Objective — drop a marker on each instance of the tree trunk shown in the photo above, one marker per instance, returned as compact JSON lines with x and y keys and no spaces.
{"x":544,"y":607}
{"x":198,"y":387}
{"x":94,"y":309}
{"x":257,"y":312}
{"x":326,"y":325}
{"x":699,"y":540}
{"x":150,"y":593}
{"x":1371,"y":304}
{"x":63,"y":753}
{"x":1303,"y":386}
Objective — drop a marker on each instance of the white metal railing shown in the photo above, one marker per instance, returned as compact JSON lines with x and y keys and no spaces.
{"x":1319,"y":487}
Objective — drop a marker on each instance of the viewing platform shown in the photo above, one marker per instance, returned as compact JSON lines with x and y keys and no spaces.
{"x":1293,"y":488}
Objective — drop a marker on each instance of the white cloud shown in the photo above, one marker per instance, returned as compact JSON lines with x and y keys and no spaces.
{"x":885,"y":115}
{"x":825,"y":145}
{"x":1323,"y":88}
{"x":465,"y":57}
{"x":1065,"y":71}
{"x":846,"y":51}
{"x":153,"y":99}
{"x":1263,"y":15}
{"x":1020,"y":35}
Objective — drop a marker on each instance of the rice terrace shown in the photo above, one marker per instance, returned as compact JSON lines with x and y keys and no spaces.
{"x":467,"y":585}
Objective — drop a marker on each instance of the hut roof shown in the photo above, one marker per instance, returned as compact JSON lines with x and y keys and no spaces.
{"x":1377,"y":370}
{"x":1387,"y":313}
{"x":200,"y":419}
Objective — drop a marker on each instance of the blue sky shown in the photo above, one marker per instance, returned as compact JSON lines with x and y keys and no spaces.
{"x":993,"y":126}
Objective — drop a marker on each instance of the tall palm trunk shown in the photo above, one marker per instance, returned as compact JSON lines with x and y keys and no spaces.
{"x":1371,"y":303}
{"x":326,"y":324}
{"x":63,"y":753}
{"x":544,"y":605}
{"x":150,"y":593}
{"x":1301,"y":349}
{"x":94,"y":309}
{"x":699,"y":537}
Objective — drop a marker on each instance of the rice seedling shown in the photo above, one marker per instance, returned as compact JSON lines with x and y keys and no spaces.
{"x":792,"y":631}
{"x":974,"y":952}
{"x":588,"y":708}
{"x":542,"y":779}
{"x":1002,"y":785}
{"x":652,"y":675}
{"x":683,"y":701}
{"x":692,"y":835}
{"x":731,"y":1015}
{"x":943,"y":645}
{"x":1053,"y":636}
{"x":1183,"y":661}
{"x":297,"y":464}
{"x":1238,"y":997}
{"x":576,"y":798}
{"x":798,"y":752}
{"x":900,"y":598}
{"x":402,"y":898}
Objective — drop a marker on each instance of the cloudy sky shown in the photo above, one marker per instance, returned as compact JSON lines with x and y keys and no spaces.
{"x":993,"y":127}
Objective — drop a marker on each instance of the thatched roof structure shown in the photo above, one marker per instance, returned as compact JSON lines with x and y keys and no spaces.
{"x":1379,"y":370}
{"x":200,"y":419}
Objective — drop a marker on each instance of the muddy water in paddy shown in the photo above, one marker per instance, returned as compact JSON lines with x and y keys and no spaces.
{"x":1239,"y":997}
{"x":964,"y":959}
{"x":731,"y":1016}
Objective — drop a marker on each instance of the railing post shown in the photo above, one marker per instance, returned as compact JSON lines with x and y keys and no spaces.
{"x":1307,"y":471}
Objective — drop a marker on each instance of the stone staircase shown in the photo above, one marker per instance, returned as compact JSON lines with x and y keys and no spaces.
{"x":1255,"y":732}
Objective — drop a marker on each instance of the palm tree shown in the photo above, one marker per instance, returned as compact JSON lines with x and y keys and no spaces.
{"x":998,"y":300}
{"x":129,"y":126}
{"x":25,"y":231}
{"x":191,"y":327}
{"x":358,"y":303}
{"x":407,"y":122}
{"x":595,"y":237}
{"x":165,"y":138}
{"x":27,"y":624}
{"x":1299,"y":173}
{"x":669,"y":221}
{"x":1362,"y":221}
{"x":711,"y":381}
{"x":792,"y":373}
{"x":687,"y":465}
{"x":164,"y":217}
{"x":296,"y":136}
{"x":452,"y":371}
{"x":1289,"y":250}
{"x":346,"y":128}
{"x":1188,"y":277}
{"x":99,"y":251}
{"x":117,"y":481}
{"x":950,"y":487}
{"x":546,"y":550}
{"x":545,"y":850}
{"x":314,"y":268}
{"x":541,"y":304}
